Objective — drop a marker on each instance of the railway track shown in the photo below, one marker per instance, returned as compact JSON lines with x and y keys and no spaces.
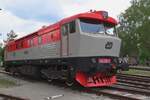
{"x":10,"y":97}
{"x":121,"y":91}
{"x":129,"y":75}
{"x":140,"y":68}
{"x":4,"y":72}
{"x":140,"y":79}
{"x":135,"y":81}
{"x":129,"y":87}
{"x":115,"y":92}
{"x":138,"y":83}
{"x":132,"y":86}
{"x":118,"y":93}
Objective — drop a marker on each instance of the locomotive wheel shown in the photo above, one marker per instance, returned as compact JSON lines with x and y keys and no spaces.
{"x":49,"y":80}
{"x":70,"y":81}
{"x":13,"y":71}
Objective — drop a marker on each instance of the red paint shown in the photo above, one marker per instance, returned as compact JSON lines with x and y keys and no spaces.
{"x":104,"y":60}
{"x":35,"y":41}
{"x":95,"y":80}
{"x":52,"y":33}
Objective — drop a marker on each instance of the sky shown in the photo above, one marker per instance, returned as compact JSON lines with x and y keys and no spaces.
{"x":27,"y":16}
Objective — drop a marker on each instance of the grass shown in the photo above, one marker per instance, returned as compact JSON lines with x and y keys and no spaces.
{"x":4,"y":83}
{"x":137,"y":72}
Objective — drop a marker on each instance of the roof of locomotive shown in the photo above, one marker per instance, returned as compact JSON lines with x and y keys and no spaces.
{"x":92,"y":15}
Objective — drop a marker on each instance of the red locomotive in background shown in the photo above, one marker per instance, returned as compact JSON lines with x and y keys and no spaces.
{"x":82,"y":48}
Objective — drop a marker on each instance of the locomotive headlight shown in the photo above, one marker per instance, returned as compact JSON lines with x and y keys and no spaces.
{"x":93,"y":60}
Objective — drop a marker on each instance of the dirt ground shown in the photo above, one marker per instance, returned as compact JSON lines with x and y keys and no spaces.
{"x":36,"y":90}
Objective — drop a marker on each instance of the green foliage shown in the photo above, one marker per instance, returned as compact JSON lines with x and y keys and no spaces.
{"x":134,"y":29}
{"x":5,"y":83}
{"x":1,"y":55}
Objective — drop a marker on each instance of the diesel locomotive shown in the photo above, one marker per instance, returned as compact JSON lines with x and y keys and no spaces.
{"x":83,"y":48}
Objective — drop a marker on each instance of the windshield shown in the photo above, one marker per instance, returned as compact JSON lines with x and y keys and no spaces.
{"x":95,"y":26}
{"x":92,"y":26}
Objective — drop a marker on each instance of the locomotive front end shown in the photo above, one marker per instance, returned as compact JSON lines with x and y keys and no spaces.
{"x":99,"y":50}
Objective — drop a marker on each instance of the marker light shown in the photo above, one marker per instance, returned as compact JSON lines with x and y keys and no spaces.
{"x":104,"y":60}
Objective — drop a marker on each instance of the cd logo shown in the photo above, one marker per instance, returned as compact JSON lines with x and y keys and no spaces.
{"x":108,"y":45}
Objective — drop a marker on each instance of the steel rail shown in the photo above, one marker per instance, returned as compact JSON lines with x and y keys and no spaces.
{"x":132,"y":85}
{"x":4,"y":72}
{"x":139,"y":68}
{"x":131,"y":75}
{"x":10,"y":97}
{"x":133,"y":79}
{"x":131,"y":89}
{"x":134,"y":82}
{"x":111,"y":95}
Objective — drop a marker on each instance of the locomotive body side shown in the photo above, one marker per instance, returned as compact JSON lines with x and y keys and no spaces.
{"x":32,"y":49}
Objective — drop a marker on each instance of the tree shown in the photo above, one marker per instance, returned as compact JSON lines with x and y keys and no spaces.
{"x":134,"y":29}
{"x":11,"y":35}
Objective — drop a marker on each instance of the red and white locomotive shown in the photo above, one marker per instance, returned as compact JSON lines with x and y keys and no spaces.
{"x":82,"y":48}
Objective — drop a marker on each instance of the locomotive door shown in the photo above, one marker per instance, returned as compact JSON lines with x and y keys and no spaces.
{"x":64,"y":40}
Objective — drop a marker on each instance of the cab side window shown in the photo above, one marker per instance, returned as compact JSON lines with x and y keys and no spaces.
{"x":68,"y":28}
{"x":72,"y":27}
{"x":64,"y":29}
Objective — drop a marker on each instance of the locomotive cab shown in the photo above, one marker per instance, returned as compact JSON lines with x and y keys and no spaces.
{"x":87,"y":37}
{"x":94,"y":45}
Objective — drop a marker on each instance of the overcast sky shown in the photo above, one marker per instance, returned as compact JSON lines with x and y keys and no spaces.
{"x":25,"y":16}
